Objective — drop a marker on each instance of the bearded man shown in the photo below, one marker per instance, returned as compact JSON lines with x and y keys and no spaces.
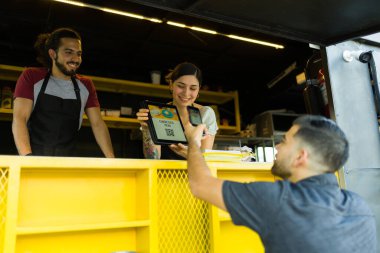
{"x":49,"y":102}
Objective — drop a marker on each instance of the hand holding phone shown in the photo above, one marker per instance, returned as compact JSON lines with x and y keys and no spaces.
{"x":195,"y":117}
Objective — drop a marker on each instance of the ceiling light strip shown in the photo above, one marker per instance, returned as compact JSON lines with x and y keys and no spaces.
{"x":200,"y":29}
{"x":236,"y":37}
{"x":176,"y":24}
{"x":71,"y":2}
{"x":155,"y":20}
{"x":109,"y":10}
{"x":122,"y":13}
{"x":277,"y":46}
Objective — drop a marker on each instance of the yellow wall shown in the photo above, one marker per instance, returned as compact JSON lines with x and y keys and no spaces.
{"x":104,"y":205}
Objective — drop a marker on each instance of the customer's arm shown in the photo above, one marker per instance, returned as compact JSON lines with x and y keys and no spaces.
{"x":202,"y":184}
{"x":100,"y":131}
{"x":22,"y":109}
{"x":208,"y":142}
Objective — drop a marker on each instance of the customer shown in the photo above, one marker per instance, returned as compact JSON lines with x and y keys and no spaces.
{"x":184,"y":84}
{"x":307,"y":212}
{"x":50,"y":102}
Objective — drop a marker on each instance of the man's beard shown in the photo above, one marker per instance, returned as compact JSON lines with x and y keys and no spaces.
{"x":63,"y":69}
{"x":280,"y":171}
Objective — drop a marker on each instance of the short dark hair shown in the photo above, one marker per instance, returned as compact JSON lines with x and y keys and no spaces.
{"x":182,"y":69}
{"x":326,"y":138}
{"x":46,"y":41}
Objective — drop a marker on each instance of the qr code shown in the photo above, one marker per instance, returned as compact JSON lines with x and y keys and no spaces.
{"x":169,"y":132}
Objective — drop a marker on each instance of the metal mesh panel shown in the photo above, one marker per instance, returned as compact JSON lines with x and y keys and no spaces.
{"x":3,"y":202}
{"x":183,"y":221}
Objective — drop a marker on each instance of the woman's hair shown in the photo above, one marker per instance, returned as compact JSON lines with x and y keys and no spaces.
{"x":183,"y":69}
{"x":46,"y":41}
{"x":327,"y":140}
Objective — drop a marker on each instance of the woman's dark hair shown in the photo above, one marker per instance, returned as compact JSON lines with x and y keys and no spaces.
{"x":182,"y":69}
{"x":326,"y":139}
{"x":46,"y":41}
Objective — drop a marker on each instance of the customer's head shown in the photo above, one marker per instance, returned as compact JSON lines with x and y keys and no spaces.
{"x":51,"y":46}
{"x":184,"y":83}
{"x":324,"y":142}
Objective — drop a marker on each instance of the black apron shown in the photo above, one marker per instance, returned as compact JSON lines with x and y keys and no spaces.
{"x":54,"y":122}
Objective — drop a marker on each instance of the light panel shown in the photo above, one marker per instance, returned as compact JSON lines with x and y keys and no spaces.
{"x":172,"y":23}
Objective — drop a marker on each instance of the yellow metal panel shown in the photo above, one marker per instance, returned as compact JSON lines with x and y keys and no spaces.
{"x":153,"y":212}
{"x":183,"y":221}
{"x":239,"y":239}
{"x":11,"y":208}
{"x":214,"y":223}
{"x":3,"y":203}
{"x":55,"y":197}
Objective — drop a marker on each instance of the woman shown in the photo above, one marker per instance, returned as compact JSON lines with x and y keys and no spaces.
{"x":184,"y":83}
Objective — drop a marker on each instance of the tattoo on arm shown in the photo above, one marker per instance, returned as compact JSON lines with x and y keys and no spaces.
{"x":149,"y":148}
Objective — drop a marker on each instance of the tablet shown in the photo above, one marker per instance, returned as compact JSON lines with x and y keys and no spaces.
{"x":164,"y":123}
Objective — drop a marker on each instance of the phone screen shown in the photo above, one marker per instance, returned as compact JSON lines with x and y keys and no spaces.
{"x":194,"y":116}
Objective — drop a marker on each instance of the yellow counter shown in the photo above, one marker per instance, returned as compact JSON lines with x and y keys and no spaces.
{"x":98,"y":205}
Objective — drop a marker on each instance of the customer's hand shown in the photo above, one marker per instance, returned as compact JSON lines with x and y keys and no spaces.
{"x":196,"y":134}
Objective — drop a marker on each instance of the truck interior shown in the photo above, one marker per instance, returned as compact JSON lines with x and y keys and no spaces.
{"x":120,"y":46}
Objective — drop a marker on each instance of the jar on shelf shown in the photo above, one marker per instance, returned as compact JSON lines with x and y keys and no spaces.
{"x":6,"y":97}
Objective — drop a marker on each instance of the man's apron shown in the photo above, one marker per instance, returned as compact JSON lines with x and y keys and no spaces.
{"x":54,"y":122}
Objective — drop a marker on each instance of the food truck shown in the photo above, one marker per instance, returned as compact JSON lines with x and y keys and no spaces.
{"x":136,"y":205}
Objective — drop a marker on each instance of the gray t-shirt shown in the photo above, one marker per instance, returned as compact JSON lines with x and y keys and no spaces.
{"x":311,"y":216}
{"x":65,"y":90}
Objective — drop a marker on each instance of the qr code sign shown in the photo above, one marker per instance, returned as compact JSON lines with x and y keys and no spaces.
{"x":169,"y":132}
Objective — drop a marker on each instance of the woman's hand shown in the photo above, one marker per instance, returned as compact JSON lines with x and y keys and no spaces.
{"x":142,"y":116}
{"x":179,"y":149}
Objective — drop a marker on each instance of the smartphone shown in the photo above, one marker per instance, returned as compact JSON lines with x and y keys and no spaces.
{"x":194,"y":115}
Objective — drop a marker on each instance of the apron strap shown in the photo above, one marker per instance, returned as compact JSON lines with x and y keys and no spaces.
{"x":44,"y":84}
{"x":77,"y":91}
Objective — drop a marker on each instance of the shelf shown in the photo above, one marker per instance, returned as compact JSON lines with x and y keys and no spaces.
{"x":112,"y":122}
{"x":6,"y":114}
{"x":81,"y":227}
{"x":162,"y":91}
{"x":116,"y":122}
{"x":11,"y":73}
